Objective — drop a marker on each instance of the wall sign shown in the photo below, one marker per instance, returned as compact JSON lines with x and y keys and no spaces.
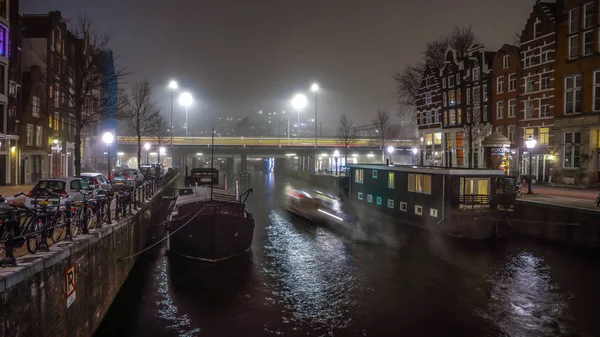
{"x":71,"y":281}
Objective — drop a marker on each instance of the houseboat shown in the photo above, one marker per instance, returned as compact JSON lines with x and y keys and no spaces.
{"x":209,"y":222}
{"x":460,"y":202}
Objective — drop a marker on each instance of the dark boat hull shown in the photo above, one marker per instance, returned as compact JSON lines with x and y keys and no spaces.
{"x":211,"y":237}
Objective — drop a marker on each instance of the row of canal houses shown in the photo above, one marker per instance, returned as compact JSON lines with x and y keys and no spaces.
{"x":547,"y":88}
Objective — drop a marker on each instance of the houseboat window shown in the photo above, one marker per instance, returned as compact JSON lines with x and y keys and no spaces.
{"x":433,"y":212}
{"x":474,"y":194}
{"x":379,"y":201}
{"x":391,"y":180}
{"x":403,"y":206}
{"x":418,"y":210}
{"x":420,"y":183}
{"x":360,"y":196}
{"x":374,"y":174}
{"x":391,"y":203}
{"x":369,"y":198}
{"x":358,"y":176}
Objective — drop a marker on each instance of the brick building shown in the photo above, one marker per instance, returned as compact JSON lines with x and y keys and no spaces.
{"x":466,"y":100}
{"x":8,"y":138}
{"x":506,"y":96}
{"x":577,"y":121}
{"x":536,"y":115}
{"x":428,"y":118}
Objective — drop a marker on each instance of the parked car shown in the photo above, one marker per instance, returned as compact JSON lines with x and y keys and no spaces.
{"x":128,"y":178}
{"x":98,"y":182}
{"x":46,"y":191}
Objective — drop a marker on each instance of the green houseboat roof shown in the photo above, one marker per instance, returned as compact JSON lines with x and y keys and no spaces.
{"x":452,"y":171}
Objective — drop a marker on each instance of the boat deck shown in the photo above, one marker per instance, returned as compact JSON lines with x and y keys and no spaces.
{"x":201,"y":193}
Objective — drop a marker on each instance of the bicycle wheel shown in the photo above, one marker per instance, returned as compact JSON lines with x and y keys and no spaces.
{"x":58,"y":229}
{"x":91,"y":220}
{"x":34,"y":240}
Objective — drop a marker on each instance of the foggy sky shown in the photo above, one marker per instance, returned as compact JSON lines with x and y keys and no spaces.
{"x":239,"y":57}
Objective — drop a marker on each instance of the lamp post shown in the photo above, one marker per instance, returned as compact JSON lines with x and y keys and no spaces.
{"x":299,"y":102}
{"x":336,"y":155}
{"x":172,"y":87}
{"x":108,"y":138}
{"x":415,"y":151}
{"x":161,"y":153}
{"x":530,"y":143}
{"x":147,"y":147}
{"x":186,"y":100}
{"x":315,"y":88}
{"x":390,"y":150}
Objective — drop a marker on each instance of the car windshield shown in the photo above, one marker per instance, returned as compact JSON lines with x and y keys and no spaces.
{"x":53,"y":186}
{"x":80,"y":184}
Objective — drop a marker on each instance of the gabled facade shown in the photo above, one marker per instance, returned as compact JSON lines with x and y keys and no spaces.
{"x":466,"y":100}
{"x":577,"y":117}
{"x":506,"y":98}
{"x":538,"y":83}
{"x":428,"y":118}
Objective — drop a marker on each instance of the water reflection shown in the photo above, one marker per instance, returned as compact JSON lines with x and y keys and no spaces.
{"x":314,"y":278}
{"x":524,"y":301}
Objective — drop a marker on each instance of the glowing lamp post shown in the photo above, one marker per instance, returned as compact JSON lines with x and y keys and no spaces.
{"x":390,"y":150}
{"x":530,"y":143}
{"x":299,"y":102}
{"x":108,"y":139}
{"x":415,"y":151}
{"x":147,"y":148}
{"x":186,"y":100}
{"x":161,"y":153}
{"x":172,"y":87}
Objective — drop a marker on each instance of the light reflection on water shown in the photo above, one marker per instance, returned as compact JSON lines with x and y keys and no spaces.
{"x":524,"y":300}
{"x":176,"y":322}
{"x":314,"y":276}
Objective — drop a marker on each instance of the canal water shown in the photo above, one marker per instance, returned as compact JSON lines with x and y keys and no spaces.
{"x":304,"y":280}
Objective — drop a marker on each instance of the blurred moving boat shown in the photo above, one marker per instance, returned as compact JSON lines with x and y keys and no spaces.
{"x":209,"y":222}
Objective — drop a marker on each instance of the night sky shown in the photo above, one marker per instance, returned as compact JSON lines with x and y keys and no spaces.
{"x":239,"y":57}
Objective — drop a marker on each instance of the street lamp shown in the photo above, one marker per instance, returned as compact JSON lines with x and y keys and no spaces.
{"x":530,"y":143}
{"x":161,"y":152}
{"x":415,"y":151}
{"x":299,"y":102}
{"x":147,"y":147}
{"x":390,"y":150}
{"x":108,"y":139}
{"x":186,"y":100}
{"x":172,"y":86}
{"x":336,"y":155}
{"x":315,"y":88}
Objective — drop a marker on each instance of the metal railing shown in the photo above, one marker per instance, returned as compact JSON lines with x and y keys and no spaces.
{"x":33,"y":227}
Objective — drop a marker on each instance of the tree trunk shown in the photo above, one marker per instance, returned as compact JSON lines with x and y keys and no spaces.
{"x":77,"y":149}
{"x":346,"y":155}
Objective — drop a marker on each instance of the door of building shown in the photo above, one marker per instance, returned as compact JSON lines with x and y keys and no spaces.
{"x":36,"y":168}
{"x":2,"y":169}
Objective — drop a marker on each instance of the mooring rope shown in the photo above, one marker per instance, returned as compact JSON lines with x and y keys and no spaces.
{"x":163,"y":239}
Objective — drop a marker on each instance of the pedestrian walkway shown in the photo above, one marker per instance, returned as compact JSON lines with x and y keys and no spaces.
{"x":562,"y":196}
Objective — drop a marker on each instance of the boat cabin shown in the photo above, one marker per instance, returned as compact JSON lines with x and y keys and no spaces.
{"x":202,"y":176}
{"x":432,"y":197}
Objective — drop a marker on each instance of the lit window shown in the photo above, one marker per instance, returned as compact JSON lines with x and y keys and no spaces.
{"x":391,"y":180}
{"x":379,"y":201}
{"x":544,"y":138}
{"x":420,"y":183}
{"x":418,"y":210}
{"x":358,"y":176}
{"x":403,"y":206}
{"x":433,"y":212}
{"x":452,"y":97}
{"x":374,"y":174}
{"x":529,"y":133}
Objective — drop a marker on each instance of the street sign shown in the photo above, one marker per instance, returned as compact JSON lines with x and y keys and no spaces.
{"x":71,"y":281}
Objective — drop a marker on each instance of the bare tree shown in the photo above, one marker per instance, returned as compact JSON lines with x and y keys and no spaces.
{"x":89,"y":81}
{"x":435,"y":52}
{"x":408,"y":83}
{"x":139,"y":113}
{"x":161,"y":132}
{"x":384,"y":131}
{"x":346,"y":135}
{"x":462,"y":39}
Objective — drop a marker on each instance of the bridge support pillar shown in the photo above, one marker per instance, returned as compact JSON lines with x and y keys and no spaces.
{"x":244,"y":163}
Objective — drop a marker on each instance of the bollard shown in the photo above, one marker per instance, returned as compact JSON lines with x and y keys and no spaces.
{"x":68,"y":235}
{"x":117,"y":208}
{"x":143,"y":194}
{"x":85,"y":229}
{"x":9,"y":258}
